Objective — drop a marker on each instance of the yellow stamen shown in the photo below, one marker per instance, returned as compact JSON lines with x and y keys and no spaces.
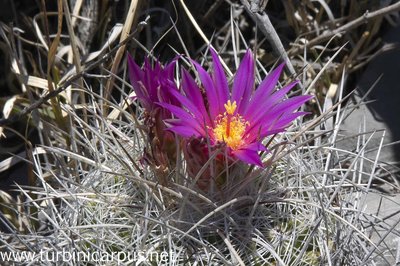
{"x":230,"y":107}
{"x":230,"y":129}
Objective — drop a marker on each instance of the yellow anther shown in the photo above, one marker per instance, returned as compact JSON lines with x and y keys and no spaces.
{"x":230,"y":129}
{"x":230,"y":107}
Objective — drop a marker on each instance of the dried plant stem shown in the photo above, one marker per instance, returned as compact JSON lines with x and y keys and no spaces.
{"x":351,"y":25}
{"x":130,"y":17}
{"x":75,"y":11}
{"x":53,"y":93}
{"x":75,"y":52}
{"x":265,"y":25}
{"x":50,"y":61}
{"x":203,"y":36}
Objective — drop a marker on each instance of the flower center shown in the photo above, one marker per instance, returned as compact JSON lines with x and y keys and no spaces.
{"x":230,"y":128}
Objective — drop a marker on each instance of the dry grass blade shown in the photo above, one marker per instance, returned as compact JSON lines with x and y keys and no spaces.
{"x":131,"y":16}
{"x":104,"y":183}
{"x":353,"y":24}
{"x":263,"y":21}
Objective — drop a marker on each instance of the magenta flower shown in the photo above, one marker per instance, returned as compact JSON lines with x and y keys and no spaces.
{"x":152,"y":84}
{"x":239,"y":118}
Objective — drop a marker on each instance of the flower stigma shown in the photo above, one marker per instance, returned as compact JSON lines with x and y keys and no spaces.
{"x":230,"y":128}
{"x":230,"y":107}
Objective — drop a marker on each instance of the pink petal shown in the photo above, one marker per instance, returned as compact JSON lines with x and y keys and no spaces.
{"x":290,"y":105}
{"x":184,"y":131}
{"x":188,"y":105}
{"x":243,"y":82}
{"x":266,"y":87}
{"x":280,"y":123}
{"x":256,"y":111}
{"x":248,"y":156}
{"x":136,"y":77}
{"x":213,"y":102}
{"x":220,"y":81}
{"x":192,"y":91}
{"x":184,"y":116}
